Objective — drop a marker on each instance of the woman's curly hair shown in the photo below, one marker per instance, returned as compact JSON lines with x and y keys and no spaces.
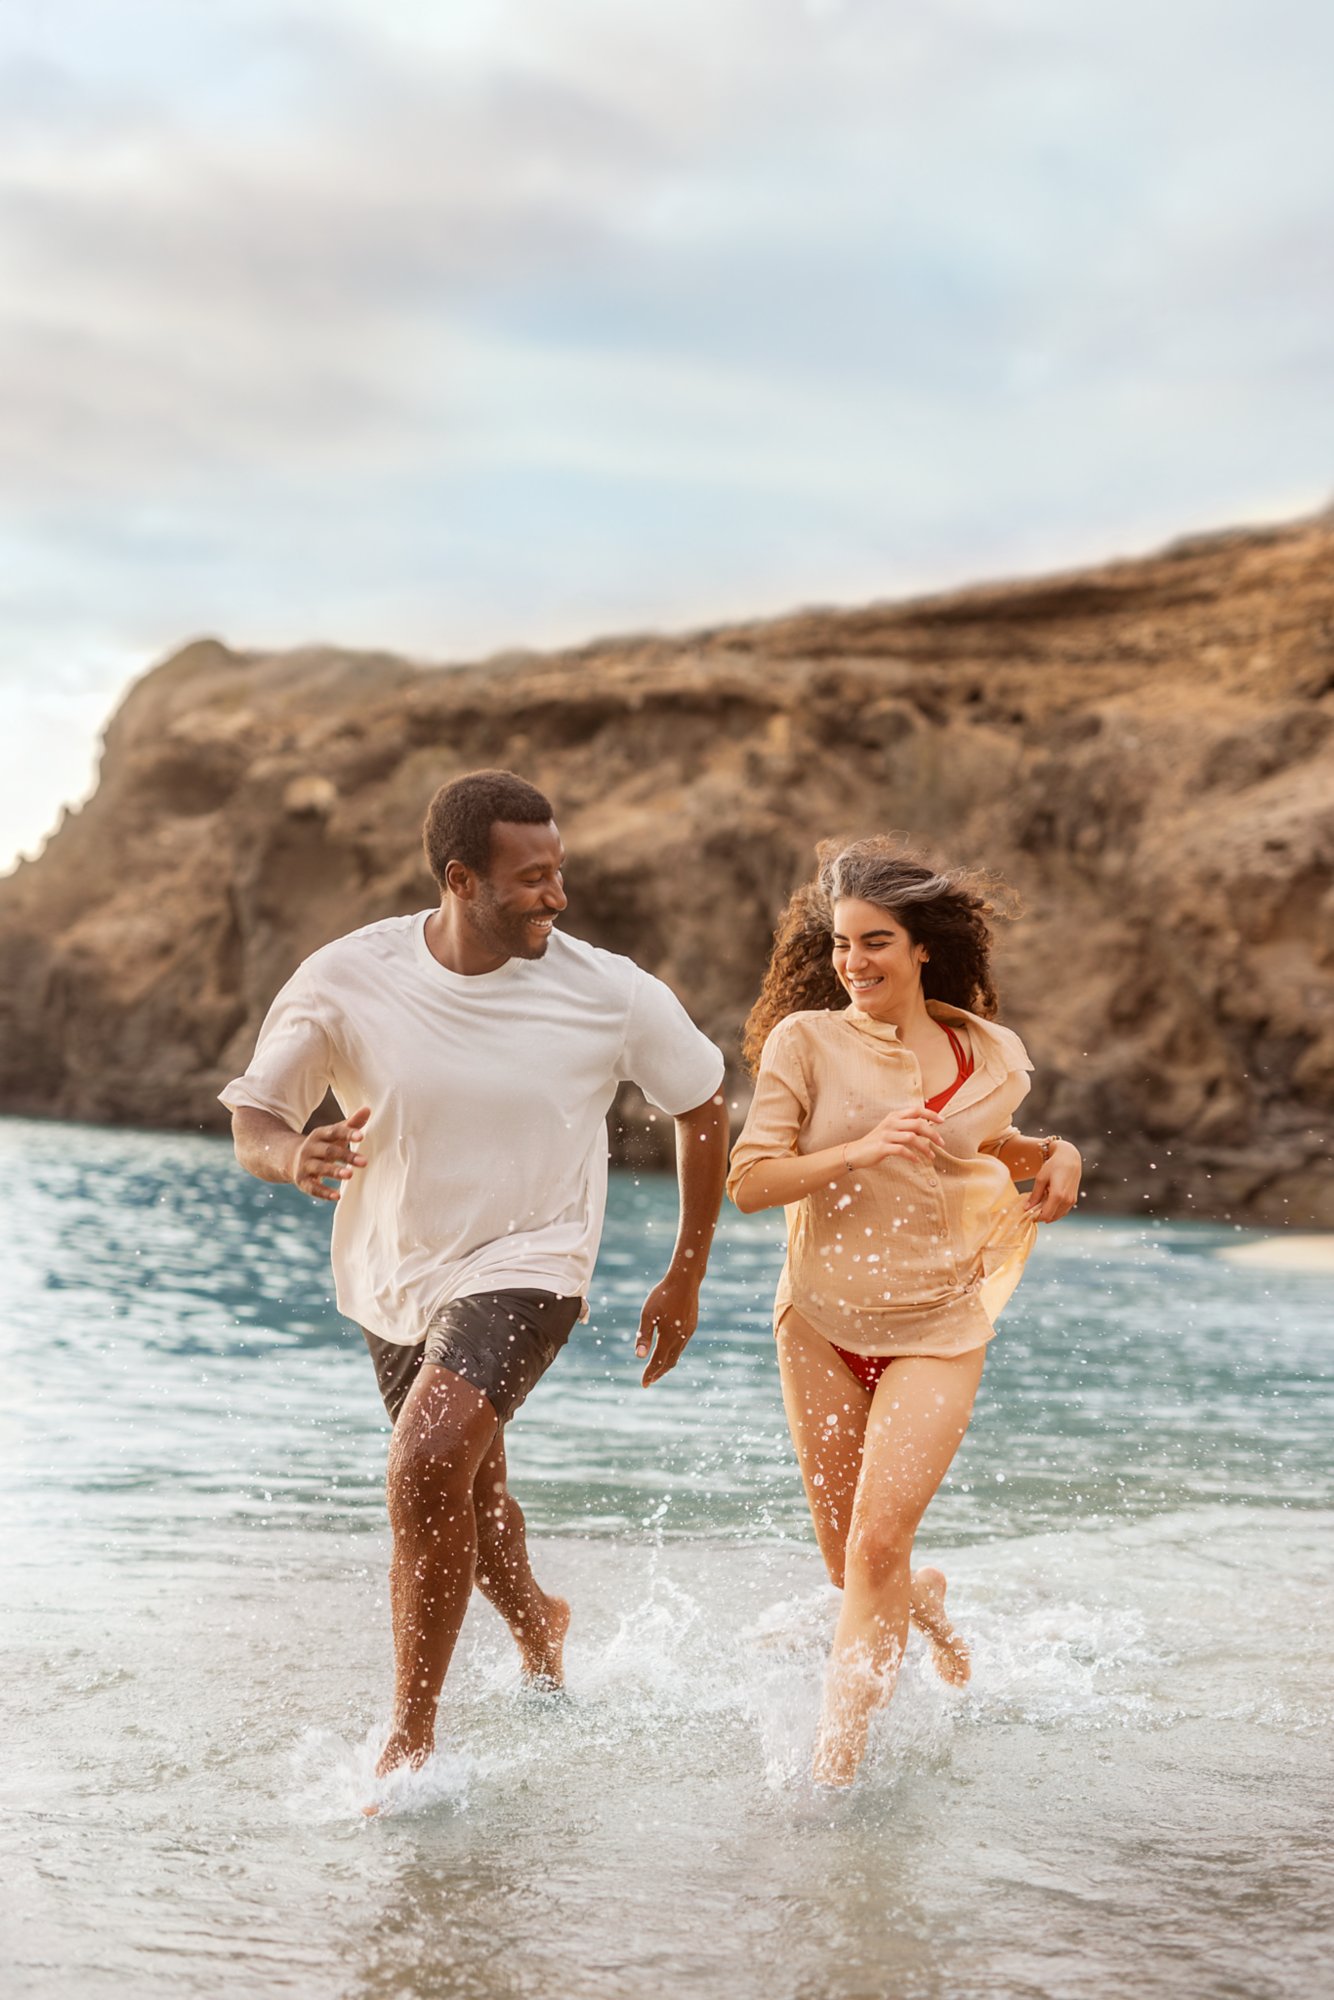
{"x":948,"y":912}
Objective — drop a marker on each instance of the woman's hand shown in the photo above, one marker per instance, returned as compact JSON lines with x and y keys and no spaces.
{"x":911,"y":1133}
{"x":1055,"y":1188}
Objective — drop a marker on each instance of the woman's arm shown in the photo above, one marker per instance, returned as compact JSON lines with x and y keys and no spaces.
{"x":1023,"y":1158}
{"x":773,"y":1182}
{"x":1054,"y":1166}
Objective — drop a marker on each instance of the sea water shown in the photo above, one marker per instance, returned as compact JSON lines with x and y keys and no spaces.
{"x":1132,"y":1796}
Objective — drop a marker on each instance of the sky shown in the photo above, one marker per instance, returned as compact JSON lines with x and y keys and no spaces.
{"x":450,"y":325}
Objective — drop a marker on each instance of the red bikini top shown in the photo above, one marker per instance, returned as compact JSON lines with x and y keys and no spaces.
{"x":965,"y":1063}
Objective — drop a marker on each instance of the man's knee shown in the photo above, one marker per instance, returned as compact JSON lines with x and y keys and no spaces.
{"x":431,"y":1475}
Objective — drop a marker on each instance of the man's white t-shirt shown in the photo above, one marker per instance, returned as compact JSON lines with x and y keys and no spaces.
{"x":486,"y":1150}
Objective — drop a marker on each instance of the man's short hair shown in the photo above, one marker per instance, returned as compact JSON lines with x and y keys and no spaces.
{"x":460,"y":817}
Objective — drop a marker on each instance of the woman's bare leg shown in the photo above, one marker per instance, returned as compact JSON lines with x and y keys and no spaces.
{"x":827,"y":1411}
{"x":505,"y":1578}
{"x":950,"y":1654}
{"x":919,"y":1414}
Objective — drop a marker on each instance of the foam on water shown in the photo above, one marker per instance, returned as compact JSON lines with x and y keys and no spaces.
{"x":336,"y":1780}
{"x":1124,"y":1725}
{"x":669,"y":1671}
{"x":666,"y":1668}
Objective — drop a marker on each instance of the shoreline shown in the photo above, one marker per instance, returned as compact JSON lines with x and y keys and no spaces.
{"x":1304,"y":1251}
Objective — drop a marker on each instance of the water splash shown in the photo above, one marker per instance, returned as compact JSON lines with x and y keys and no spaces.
{"x":335,"y":1780}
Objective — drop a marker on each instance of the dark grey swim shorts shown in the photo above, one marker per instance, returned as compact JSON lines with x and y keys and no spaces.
{"x":501,"y":1342}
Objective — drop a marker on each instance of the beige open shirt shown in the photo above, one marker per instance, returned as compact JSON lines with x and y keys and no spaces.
{"x":910,"y":1257}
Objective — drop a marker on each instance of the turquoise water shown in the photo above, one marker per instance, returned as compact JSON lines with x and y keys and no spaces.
{"x":1130,"y":1795}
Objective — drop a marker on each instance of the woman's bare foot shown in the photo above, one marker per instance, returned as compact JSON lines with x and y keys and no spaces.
{"x":854,"y":1689}
{"x":844,"y":1727}
{"x":949,"y":1653}
{"x":838,"y":1754}
{"x":542,"y":1651}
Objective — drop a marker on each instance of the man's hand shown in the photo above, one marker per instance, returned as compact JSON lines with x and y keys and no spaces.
{"x":1055,"y":1188}
{"x":671,"y":1310}
{"x":671,"y":1313}
{"x":330,"y":1153}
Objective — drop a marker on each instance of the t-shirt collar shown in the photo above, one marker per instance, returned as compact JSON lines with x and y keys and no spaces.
{"x":462,"y":982}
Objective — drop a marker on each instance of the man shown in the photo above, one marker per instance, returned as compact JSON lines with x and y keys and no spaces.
{"x":483,"y":1050}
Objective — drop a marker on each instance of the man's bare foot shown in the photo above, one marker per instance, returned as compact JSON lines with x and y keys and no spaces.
{"x":542,"y":1651}
{"x":410,"y":1745}
{"x":949,"y":1653}
{"x":406,"y":1749}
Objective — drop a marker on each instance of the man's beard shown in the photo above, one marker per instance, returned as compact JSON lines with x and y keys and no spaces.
{"x":505,"y":931}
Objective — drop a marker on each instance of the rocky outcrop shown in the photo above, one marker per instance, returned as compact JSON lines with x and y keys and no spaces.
{"x":1145,"y":751}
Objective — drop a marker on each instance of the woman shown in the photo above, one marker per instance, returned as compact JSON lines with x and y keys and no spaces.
{"x":882,"y":1123}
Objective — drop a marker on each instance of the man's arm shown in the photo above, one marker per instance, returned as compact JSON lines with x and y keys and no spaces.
{"x":272,"y":1151}
{"x":671,"y":1310}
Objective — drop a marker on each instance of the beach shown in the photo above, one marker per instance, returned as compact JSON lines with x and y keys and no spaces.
{"x":1131,"y":1795}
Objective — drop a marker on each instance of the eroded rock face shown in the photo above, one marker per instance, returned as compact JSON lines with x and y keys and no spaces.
{"x":1145,"y":751}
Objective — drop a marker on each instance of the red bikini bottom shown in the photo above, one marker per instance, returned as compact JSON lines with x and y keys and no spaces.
{"x":868,"y":1368}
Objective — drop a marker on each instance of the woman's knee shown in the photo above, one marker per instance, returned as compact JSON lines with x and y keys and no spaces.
{"x":878,"y":1551}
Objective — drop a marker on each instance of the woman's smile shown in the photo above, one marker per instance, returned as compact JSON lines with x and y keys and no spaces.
{"x":875,"y":960}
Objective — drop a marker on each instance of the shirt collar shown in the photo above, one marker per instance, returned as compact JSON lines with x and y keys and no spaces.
{"x":988,"y":1043}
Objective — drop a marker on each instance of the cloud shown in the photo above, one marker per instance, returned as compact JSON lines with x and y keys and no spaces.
{"x":445,"y":326}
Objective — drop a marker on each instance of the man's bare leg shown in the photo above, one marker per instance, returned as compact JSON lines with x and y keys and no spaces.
{"x":505,"y":1577}
{"x":444,"y":1432}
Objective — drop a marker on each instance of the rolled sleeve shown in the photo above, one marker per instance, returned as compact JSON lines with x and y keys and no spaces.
{"x":778,"y":1110}
{"x":675,"y":1066}
{"x":1008,"y":1098}
{"x":1000,"y":1139}
{"x":290,"y":1070}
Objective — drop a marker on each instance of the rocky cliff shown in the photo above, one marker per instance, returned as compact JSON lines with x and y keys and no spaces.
{"x":1145,"y":750}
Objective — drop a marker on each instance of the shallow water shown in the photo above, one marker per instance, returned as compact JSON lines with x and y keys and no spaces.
{"x":1131,"y":1796}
